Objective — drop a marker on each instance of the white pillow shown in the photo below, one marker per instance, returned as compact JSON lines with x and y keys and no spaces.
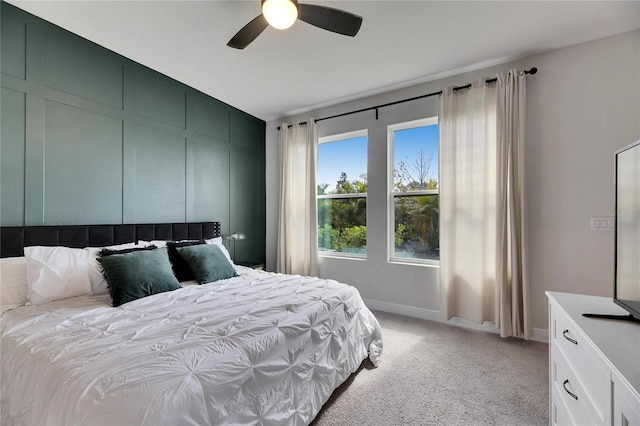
{"x":126,"y":246}
{"x":13,"y":282}
{"x":98,"y":282}
{"x":55,"y":273}
{"x":162,"y":243}
{"x":218,"y":241}
{"x":157,"y":243}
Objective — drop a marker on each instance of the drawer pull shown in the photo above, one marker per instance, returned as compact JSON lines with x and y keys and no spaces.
{"x":564,"y":334}
{"x":571,"y":394}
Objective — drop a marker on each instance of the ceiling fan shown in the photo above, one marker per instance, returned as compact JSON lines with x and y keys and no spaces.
{"x":281,"y":14}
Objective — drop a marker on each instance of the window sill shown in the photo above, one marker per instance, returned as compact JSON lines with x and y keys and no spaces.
{"x":343,"y":256}
{"x":413,"y":262}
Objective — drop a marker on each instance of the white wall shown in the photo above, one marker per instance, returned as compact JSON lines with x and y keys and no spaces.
{"x":583,"y":104}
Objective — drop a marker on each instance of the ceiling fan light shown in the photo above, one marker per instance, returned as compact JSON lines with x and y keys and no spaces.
{"x":280,"y":14}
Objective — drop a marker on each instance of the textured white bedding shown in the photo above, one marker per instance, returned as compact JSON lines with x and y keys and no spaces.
{"x":260,"y":348}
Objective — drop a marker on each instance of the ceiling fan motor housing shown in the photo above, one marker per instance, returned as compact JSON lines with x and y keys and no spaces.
{"x":327,"y":18}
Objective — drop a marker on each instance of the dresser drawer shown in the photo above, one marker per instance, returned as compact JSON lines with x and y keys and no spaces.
{"x":591,"y":374}
{"x":559,"y":414}
{"x":626,"y":406}
{"x":572,"y":404}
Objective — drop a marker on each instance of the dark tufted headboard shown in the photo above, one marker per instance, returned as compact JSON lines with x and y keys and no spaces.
{"x":13,"y":239}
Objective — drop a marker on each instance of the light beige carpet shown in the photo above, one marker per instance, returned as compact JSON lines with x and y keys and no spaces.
{"x":438,"y":374}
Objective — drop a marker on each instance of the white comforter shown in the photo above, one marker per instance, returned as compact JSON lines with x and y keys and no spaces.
{"x":261,"y":348}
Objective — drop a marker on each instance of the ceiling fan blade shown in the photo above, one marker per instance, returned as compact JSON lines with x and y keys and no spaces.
{"x":330,"y":19}
{"x":248,"y":33}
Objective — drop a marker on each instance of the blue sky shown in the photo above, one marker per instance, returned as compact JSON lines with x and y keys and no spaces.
{"x":350,"y":155}
{"x":347,"y":155}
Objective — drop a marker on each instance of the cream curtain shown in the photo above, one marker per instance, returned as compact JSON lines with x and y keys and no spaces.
{"x":513,"y":309}
{"x":483,"y":228}
{"x":468,"y":202}
{"x":298,"y":230}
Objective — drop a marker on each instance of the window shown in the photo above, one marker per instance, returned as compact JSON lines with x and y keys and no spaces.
{"x":414,"y":200}
{"x":342,"y":193}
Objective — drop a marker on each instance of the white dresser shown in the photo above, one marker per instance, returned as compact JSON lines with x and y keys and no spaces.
{"x":594,"y":364}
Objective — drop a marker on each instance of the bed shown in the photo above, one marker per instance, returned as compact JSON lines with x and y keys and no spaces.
{"x":256,"y":348}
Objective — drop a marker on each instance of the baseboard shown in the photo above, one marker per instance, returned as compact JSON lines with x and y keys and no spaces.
{"x":408,"y":311}
{"x":539,"y":335}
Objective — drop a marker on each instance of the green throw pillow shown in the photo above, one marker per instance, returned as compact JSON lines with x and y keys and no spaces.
{"x":138,"y":274}
{"x":207,"y":262}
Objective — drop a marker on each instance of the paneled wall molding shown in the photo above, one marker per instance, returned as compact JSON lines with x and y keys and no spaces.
{"x":89,"y":136}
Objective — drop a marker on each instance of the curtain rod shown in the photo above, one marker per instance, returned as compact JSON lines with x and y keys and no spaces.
{"x":375,"y":108}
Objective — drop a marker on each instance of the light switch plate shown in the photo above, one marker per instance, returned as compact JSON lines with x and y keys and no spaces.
{"x":603,"y":223}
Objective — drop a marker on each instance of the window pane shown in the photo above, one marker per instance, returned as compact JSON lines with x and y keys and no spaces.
{"x":415,"y":158}
{"x":417,"y":227}
{"x":342,"y":169}
{"x":342,"y":166}
{"x":342,"y":225}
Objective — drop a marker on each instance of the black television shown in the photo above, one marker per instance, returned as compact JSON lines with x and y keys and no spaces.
{"x":626,"y":289}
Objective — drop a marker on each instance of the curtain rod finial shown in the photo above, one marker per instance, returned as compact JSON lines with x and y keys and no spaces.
{"x":532,"y":71}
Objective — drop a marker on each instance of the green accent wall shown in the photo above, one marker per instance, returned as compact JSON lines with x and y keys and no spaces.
{"x":90,"y":137}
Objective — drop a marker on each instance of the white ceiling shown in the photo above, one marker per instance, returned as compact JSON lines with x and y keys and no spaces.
{"x":286,"y":72}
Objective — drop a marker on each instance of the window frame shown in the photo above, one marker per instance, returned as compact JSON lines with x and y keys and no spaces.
{"x":335,"y":138}
{"x":392,"y":194}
